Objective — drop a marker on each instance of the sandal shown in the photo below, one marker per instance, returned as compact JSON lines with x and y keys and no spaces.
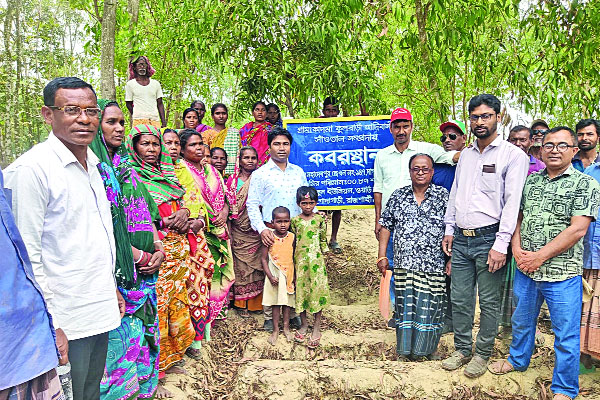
{"x":313,"y":343}
{"x":498,"y":367}
{"x":299,"y":337}
{"x":243,"y":313}
{"x":335,"y":247}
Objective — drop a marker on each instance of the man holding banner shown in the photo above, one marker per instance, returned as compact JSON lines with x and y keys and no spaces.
{"x":392,"y":171}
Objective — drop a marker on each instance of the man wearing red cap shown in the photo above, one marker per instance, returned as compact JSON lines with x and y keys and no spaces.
{"x":392,"y":171}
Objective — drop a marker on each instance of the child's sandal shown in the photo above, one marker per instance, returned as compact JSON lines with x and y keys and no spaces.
{"x":299,"y":337}
{"x":313,"y":343}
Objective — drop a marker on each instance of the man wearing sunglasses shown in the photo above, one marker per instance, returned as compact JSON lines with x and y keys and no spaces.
{"x":558,"y":205}
{"x":539,"y":128}
{"x":61,"y":209}
{"x":587,"y":140}
{"x":480,"y":220}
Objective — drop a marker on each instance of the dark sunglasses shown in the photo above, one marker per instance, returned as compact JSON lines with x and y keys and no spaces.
{"x":451,"y":136}
{"x":540,"y":132}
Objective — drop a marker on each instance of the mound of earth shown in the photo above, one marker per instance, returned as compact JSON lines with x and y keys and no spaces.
{"x":356,"y":358}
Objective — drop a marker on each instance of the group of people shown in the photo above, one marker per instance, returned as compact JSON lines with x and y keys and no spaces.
{"x":125,"y":249}
{"x":510,"y":221}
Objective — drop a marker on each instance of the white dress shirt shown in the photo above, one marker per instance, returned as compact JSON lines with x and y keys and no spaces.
{"x":64,"y":218}
{"x":270,"y":187}
{"x":391,"y":166}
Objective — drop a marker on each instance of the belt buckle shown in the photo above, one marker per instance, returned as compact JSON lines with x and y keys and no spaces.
{"x":468,"y":232}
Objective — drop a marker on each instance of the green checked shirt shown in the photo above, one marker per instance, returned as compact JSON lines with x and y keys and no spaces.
{"x":547,"y":206}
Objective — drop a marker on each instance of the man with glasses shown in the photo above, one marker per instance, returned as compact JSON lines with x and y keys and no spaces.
{"x":416,"y":216}
{"x":63,"y":214}
{"x":557,"y":207}
{"x":587,"y":138}
{"x":392,"y":172}
{"x":539,"y":128}
{"x":480,"y":219}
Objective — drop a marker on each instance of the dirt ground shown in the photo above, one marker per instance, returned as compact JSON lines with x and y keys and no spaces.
{"x":356,"y":358}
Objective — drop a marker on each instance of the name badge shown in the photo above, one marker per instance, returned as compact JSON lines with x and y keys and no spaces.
{"x":489,"y":168}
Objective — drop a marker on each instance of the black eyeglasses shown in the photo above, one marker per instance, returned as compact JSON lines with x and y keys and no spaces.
{"x":561,"y":147}
{"x":484,"y":117}
{"x":424,"y":170}
{"x":451,"y":136}
{"x":537,"y":132}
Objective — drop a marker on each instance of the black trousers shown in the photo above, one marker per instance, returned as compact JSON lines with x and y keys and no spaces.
{"x":88,"y":357}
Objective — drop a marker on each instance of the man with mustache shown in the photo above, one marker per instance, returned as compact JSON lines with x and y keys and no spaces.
{"x":539,"y":128}
{"x":480,"y":220}
{"x":274,"y":185}
{"x":143,"y":96}
{"x":587,"y":137}
{"x":522,"y":137}
{"x":391,"y":171}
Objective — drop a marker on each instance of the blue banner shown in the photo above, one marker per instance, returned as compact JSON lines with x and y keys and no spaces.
{"x":338,"y":155}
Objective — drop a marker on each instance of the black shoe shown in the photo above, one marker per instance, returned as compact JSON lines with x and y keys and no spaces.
{"x":391,"y":324}
{"x":268,"y":325}
{"x":448,"y":328}
{"x":295,"y":323}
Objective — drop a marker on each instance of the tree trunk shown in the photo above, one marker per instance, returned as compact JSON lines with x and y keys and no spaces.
{"x":107,"y":47}
{"x":289,"y":105}
{"x":133,"y":8}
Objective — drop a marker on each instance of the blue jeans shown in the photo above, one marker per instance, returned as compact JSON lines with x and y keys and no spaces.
{"x":470,"y":270}
{"x":564,"y":302}
{"x":389,"y":253}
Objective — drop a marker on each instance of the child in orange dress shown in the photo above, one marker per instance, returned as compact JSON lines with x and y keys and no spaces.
{"x":278,"y":264}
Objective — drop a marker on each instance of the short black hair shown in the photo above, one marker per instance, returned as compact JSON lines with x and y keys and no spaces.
{"x":520,"y":128}
{"x":185,"y":135}
{"x":587,"y":122}
{"x":279,"y":132}
{"x":69,"y":82}
{"x":410,"y":161}
{"x":280,"y":210}
{"x":273,"y":105}
{"x":167,"y":130}
{"x":257,"y":103}
{"x":488,"y":99}
{"x":189,"y":110}
{"x":306,"y":190}
{"x":562,"y":128}
{"x":215,"y":149}
{"x":213,"y":109}
{"x":330,"y":101}
{"x":196,"y":102}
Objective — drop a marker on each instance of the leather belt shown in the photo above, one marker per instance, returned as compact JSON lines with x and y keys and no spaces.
{"x":479,"y":231}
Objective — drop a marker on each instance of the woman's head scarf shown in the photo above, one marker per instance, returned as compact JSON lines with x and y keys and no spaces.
{"x":124,"y":267}
{"x":161,"y":181}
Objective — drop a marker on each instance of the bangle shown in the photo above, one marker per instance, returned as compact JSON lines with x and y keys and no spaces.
{"x":145,"y":260}
{"x":163,"y":252}
{"x":139,"y":259}
{"x":188,"y":211}
{"x":158,"y":241}
{"x":379,"y":259}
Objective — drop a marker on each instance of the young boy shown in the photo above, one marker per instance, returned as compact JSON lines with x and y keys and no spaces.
{"x":278,"y":264}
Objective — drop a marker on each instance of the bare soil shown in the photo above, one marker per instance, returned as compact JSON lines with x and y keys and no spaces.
{"x":357,"y":357}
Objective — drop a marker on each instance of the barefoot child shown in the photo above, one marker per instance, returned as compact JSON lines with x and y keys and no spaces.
{"x":278,"y":263}
{"x":312,"y":288}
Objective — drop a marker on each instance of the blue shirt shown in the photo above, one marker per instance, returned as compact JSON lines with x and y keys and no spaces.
{"x":578,"y":164}
{"x":26,"y":335}
{"x":443,"y":175}
{"x":591,"y":242}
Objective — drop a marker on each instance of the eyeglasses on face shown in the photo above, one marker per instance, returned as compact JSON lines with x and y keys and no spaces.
{"x":484,"y":117}
{"x":416,"y":170}
{"x":561,"y":147}
{"x":450,"y":136}
{"x":75,"y":111}
{"x":539,"y":132}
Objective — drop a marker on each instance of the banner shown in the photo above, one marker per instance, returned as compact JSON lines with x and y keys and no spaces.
{"x":338,"y":155}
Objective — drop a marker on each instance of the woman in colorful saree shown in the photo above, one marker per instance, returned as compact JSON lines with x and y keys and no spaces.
{"x":204,"y":186}
{"x":151,"y":161}
{"x":245,"y":241}
{"x":255,"y":133}
{"x":132,"y":360}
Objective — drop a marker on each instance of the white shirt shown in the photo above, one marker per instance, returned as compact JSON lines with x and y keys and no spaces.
{"x":64,"y":218}
{"x":391,"y":166}
{"x":270,"y":187}
{"x":144,"y":99}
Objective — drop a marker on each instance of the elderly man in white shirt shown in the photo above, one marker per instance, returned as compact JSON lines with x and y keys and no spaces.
{"x":273,"y":185}
{"x":62,"y":211}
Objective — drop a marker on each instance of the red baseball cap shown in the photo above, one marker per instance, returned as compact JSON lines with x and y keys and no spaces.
{"x":401,"y":113}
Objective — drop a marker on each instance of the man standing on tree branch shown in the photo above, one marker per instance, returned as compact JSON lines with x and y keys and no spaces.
{"x":143,"y":96}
